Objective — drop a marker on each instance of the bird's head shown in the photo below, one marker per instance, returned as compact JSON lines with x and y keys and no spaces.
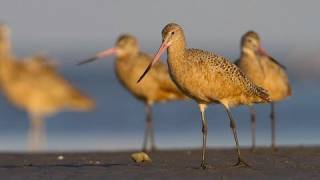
{"x":172,"y":35}
{"x":250,"y":44}
{"x":126,"y":45}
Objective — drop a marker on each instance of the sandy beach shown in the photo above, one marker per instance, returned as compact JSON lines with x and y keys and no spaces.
{"x":286,"y":163}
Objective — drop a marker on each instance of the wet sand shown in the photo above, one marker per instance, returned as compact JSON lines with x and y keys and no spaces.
{"x":286,"y":163}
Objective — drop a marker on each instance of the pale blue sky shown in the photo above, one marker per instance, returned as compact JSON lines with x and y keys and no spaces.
{"x":58,"y":25}
{"x":209,"y":21}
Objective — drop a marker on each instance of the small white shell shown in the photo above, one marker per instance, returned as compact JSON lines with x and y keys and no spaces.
{"x":60,"y":157}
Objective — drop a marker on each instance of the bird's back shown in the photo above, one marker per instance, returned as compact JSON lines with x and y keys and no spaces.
{"x":276,"y":79}
{"x":208,"y":77}
{"x":156,"y":87}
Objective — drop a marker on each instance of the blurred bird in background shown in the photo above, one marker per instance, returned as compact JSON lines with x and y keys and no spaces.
{"x":265,"y":72}
{"x":157,"y":87}
{"x":34,"y":85}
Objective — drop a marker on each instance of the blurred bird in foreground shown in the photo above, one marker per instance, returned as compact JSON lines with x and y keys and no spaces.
{"x":157,"y":87}
{"x":266,"y":72}
{"x":35,"y":86}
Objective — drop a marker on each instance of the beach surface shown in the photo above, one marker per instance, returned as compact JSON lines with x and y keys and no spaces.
{"x":286,"y":163}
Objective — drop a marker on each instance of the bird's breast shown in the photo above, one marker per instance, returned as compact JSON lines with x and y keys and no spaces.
{"x":190,"y":79}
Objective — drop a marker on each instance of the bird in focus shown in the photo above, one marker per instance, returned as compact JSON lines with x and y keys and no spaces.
{"x":207,"y":78}
{"x":156,"y":88}
{"x":34,"y":85}
{"x":265,"y":72}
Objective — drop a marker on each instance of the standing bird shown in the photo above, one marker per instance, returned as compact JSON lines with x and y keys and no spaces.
{"x":36,"y":87}
{"x":207,"y":78}
{"x":158,"y":87}
{"x":266,"y":72}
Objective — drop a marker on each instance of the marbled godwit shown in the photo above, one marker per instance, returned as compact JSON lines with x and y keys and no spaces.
{"x":158,"y":87}
{"x":266,"y":72}
{"x":36,"y":87}
{"x":206,"y":78}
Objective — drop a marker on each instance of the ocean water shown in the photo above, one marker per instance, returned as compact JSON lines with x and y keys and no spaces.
{"x":118,"y":121}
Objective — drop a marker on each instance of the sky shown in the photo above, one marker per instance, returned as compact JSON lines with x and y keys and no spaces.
{"x":289,"y":28}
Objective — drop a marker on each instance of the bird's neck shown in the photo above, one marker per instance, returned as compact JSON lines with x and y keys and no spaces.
{"x":127,"y":55}
{"x":176,"y":51}
{"x":124,"y":63}
{"x":5,"y":57}
{"x":125,"y":59}
{"x":5,"y":61}
{"x":248,"y":55}
{"x":252,"y":62}
{"x":5,"y":50}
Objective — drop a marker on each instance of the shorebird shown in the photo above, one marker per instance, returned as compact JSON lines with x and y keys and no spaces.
{"x":266,"y":72}
{"x":158,"y":87}
{"x":207,"y":78}
{"x":32,"y":84}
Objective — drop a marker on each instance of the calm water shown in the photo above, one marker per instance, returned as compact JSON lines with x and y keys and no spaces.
{"x":118,"y":120}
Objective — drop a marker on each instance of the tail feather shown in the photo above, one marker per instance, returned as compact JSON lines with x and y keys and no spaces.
{"x":263,"y":94}
{"x":79,"y":101}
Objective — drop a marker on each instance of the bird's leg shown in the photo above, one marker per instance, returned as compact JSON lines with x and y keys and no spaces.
{"x":202,"y":108}
{"x":273,"y":127}
{"x":149,"y":130}
{"x":153,"y":145}
{"x":240,"y":162}
{"x":253,"y":128}
{"x":146,"y":131}
{"x":36,"y":134}
{"x":145,"y":139}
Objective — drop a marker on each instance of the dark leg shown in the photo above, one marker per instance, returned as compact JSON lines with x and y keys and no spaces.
{"x":202,"y":108}
{"x":240,"y":162}
{"x":273,"y":127}
{"x":253,"y":128}
{"x":148,"y":130}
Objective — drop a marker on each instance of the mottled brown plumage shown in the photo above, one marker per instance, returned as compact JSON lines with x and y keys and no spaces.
{"x":207,"y":78}
{"x":157,"y":87}
{"x":34,"y":85}
{"x":264,"y":71}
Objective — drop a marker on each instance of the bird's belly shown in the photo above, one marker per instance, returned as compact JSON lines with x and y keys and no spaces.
{"x":31,"y":100}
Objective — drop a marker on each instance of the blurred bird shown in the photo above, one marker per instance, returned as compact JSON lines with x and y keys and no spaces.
{"x":35,"y":86}
{"x":158,"y":87}
{"x":206,"y":78}
{"x":266,"y":72}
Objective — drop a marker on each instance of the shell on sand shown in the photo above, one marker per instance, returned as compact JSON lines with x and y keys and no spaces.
{"x":140,"y":157}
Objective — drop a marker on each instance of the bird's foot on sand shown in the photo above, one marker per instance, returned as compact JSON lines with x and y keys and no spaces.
{"x":274,"y":149}
{"x":152,"y":149}
{"x":241,"y":163}
{"x":253,"y":149}
{"x":204,"y":165}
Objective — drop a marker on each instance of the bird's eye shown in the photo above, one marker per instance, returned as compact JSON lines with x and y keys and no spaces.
{"x":172,"y":33}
